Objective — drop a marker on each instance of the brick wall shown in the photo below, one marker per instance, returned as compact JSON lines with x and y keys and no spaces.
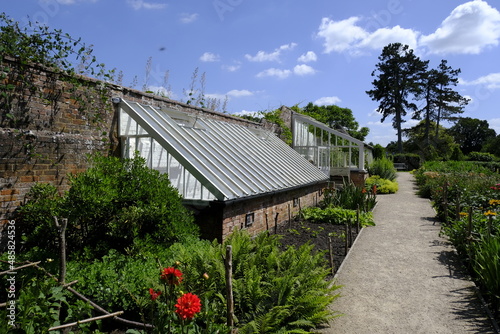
{"x":48,"y":123}
{"x":286,"y":205}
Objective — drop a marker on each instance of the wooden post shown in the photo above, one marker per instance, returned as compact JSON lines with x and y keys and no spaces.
{"x":330,"y":251}
{"x":470,"y":223}
{"x":289,"y":216}
{"x":457,"y":207}
{"x":229,"y":286}
{"x":276,"y":223}
{"x":357,"y":220}
{"x":62,"y":247}
{"x":346,"y":239}
{"x":445,"y":201}
{"x":267,"y":223}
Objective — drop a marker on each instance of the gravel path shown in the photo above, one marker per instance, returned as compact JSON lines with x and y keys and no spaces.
{"x":402,"y":277}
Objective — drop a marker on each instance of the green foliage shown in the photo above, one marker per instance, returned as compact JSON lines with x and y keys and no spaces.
{"x":284,"y":131}
{"x":480,"y":156}
{"x":384,"y":168}
{"x":378,"y":151}
{"x":412,"y":160}
{"x":108,"y":206}
{"x":64,"y":57}
{"x":277,"y":291}
{"x":336,"y":216}
{"x":336,"y":118}
{"x":471,"y":134}
{"x":383,"y":186}
{"x":486,"y":265}
{"x":41,"y":304}
{"x":350,"y":197}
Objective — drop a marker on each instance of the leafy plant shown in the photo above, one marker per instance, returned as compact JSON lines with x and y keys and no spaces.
{"x":486,"y":265}
{"x":382,"y":186}
{"x":384,"y":168}
{"x":336,"y":216}
{"x":351,"y":197}
{"x":108,"y":206}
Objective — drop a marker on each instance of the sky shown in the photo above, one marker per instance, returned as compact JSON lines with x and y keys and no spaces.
{"x":262,"y":54}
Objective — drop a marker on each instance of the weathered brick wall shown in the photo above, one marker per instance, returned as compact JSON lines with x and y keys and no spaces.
{"x":286,"y":205}
{"x":49,"y":123}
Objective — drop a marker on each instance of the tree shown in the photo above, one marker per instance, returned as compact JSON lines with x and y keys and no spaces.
{"x":441,"y":147}
{"x":336,"y":117}
{"x":441,"y":101}
{"x":399,"y":77}
{"x":471,"y":134}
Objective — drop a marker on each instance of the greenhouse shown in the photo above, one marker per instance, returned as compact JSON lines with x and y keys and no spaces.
{"x":334,"y":152}
{"x":208,"y":159}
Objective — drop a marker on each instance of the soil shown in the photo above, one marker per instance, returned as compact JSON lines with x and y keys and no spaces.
{"x":300,"y":232}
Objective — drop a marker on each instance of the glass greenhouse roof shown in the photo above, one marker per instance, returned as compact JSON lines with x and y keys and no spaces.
{"x":207,"y":159}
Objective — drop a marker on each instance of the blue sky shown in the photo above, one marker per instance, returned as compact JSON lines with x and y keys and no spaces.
{"x":262,"y":54}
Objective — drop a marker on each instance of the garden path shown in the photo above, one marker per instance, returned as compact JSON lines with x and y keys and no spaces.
{"x":402,"y":277}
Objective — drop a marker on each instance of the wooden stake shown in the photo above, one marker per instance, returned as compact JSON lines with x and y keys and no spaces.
{"x":86,"y":320}
{"x":330,"y":250}
{"x":229,"y":286}
{"x":62,"y":247}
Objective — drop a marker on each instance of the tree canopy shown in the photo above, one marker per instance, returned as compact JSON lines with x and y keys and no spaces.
{"x":398,"y":76}
{"x":336,"y":118}
{"x":471,"y":134}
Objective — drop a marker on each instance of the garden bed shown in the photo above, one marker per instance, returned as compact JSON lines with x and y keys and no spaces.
{"x":300,"y":232}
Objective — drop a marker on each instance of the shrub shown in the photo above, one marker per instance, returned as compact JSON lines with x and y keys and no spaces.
{"x":108,"y":206}
{"x":383,"y":186}
{"x":336,"y":216}
{"x":350,"y":197}
{"x":480,"y":156}
{"x":383,"y":168}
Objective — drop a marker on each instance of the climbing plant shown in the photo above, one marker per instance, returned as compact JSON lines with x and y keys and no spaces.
{"x":27,"y":51}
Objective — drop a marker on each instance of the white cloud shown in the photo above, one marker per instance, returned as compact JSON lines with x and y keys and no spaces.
{"x":307,"y":57}
{"x":469,"y":29}
{"x":262,"y":56}
{"x":327,"y":101}
{"x":384,"y":36}
{"x":490,"y":81}
{"x":248,"y":113}
{"x":239,"y":93}
{"x":495,"y":124}
{"x":209,"y":57}
{"x":231,"y":68}
{"x":141,"y":4}
{"x":66,"y":2}
{"x":303,"y":69}
{"x":188,"y":18}
{"x":275,"y":72}
{"x":340,"y":35}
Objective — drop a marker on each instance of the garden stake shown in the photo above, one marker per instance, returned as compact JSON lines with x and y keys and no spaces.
{"x":229,"y":286}
{"x":267,"y":223}
{"x":346,"y":238}
{"x":86,"y":320}
{"x":61,"y":228}
{"x":357,"y":220}
{"x":289,"y":217}
{"x":330,"y":250}
{"x":470,"y":224}
{"x":457,"y":207}
{"x":445,"y":201}
{"x":276,"y":223}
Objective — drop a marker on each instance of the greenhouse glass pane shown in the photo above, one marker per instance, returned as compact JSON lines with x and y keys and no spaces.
{"x":144,"y":148}
{"x":192,"y":186}
{"x":128,"y":127}
{"x":160,"y":158}
{"x":175,"y":174}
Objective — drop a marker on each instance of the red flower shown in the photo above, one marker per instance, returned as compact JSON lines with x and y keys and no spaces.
{"x":171,"y":275}
{"x":374,"y":190}
{"x":187,"y":306}
{"x":154,"y":294}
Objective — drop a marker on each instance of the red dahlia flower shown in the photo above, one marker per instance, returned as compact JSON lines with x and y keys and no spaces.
{"x":187,"y":306}
{"x":171,"y":275}
{"x":154,"y":294}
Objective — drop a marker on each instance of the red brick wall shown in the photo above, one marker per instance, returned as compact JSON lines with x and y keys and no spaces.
{"x":49,"y":124}
{"x":265,"y":208}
